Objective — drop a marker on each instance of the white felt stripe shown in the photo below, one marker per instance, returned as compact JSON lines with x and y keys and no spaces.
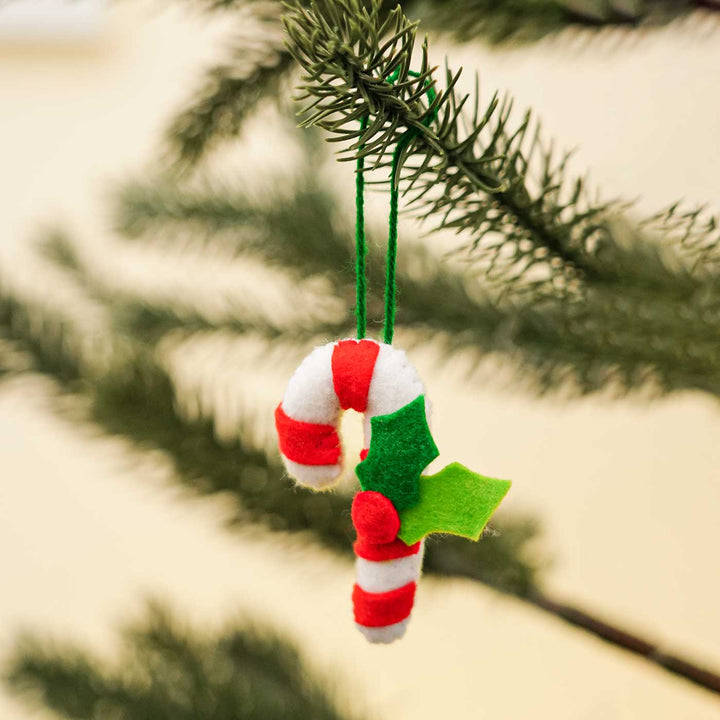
{"x":384,"y":635}
{"x":310,"y":395}
{"x":378,"y":576}
{"x":394,"y":384}
{"x":317,"y":477}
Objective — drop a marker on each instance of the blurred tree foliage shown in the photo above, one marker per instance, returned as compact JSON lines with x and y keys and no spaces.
{"x":168,"y":670}
{"x":249,"y":73}
{"x":562,"y":287}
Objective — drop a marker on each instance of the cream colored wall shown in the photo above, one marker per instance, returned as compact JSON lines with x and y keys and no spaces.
{"x":78,"y":116}
{"x":628,"y":492}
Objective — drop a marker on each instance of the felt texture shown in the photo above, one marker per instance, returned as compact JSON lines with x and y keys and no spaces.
{"x":377,"y":577}
{"x":374,"y":517}
{"x":401,"y":448}
{"x":381,"y":609}
{"x":384,"y":635}
{"x":317,"y":477}
{"x":360,"y":243}
{"x":377,"y":380}
{"x":353,"y":364}
{"x":384,"y":551}
{"x":394,"y":384}
{"x":456,"y":501}
{"x":306,"y":443}
{"x":310,"y":395}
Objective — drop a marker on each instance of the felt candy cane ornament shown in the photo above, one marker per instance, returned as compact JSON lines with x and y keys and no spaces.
{"x":398,"y":506}
{"x":375,"y":379}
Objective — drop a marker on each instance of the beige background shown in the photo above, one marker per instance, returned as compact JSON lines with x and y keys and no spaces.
{"x":628,"y":491}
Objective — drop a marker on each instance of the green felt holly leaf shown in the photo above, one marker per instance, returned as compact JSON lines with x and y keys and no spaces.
{"x":456,"y":501}
{"x":400,"y":449}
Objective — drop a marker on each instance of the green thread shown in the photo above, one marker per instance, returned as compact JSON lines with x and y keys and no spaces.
{"x":360,"y":243}
{"x":391,"y":260}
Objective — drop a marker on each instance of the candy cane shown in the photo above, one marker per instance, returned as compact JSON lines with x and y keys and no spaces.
{"x":375,"y":379}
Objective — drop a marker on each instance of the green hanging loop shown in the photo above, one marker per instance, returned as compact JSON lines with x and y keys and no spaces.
{"x":360,"y":243}
{"x":391,"y":261}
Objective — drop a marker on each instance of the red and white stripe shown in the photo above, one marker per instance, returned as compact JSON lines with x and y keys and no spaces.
{"x":375,"y":379}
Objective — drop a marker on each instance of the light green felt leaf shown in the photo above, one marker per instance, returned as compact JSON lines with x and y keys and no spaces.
{"x":455,"y":501}
{"x":400,"y":449}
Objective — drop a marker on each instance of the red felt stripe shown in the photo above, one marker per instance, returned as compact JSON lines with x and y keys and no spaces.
{"x":385,"y":551}
{"x":364,"y":453}
{"x":353,"y":363}
{"x":306,"y":443}
{"x":382,"y":609}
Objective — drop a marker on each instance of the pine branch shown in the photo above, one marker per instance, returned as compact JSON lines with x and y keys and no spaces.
{"x":645,"y":317}
{"x":522,"y":21}
{"x":47,"y":339}
{"x":297,"y":219}
{"x":527,"y":21}
{"x":168,"y":670}
{"x":147,"y":321}
{"x":136,"y":400}
{"x":475,"y":181}
{"x":231,"y":90}
{"x":464,"y":167}
{"x":228,"y":94}
{"x":695,"y":231}
{"x":649,"y":650}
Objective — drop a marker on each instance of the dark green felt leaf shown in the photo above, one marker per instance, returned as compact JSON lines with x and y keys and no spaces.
{"x":401,"y":447}
{"x":456,"y":501}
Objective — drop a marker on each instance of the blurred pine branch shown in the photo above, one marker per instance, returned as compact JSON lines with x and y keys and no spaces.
{"x":565,"y":287}
{"x":231,"y":90}
{"x":647,"y":318}
{"x":569,"y":287}
{"x":227,"y":95}
{"x":169,"y":670}
{"x":584,"y":292}
{"x":135,"y":398}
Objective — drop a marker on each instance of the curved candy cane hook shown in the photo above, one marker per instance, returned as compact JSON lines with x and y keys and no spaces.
{"x":375,"y":379}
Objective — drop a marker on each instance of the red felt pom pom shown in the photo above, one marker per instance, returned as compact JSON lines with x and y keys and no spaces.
{"x":374,"y":517}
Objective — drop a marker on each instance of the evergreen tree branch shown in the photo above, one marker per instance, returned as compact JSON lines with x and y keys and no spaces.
{"x":147,"y":321}
{"x":519,"y":21}
{"x":620,"y":637}
{"x":476,"y":180}
{"x":471,"y":172}
{"x":646,"y":317}
{"x":169,"y":670}
{"x":288,"y":223}
{"x":526,"y":21}
{"x":46,"y":339}
{"x":228,"y":94}
{"x":694,"y":230}
{"x":136,"y":400}
{"x":231,"y":90}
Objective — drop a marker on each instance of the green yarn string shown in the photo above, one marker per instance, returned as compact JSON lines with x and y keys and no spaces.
{"x":360,"y":244}
{"x":391,"y":260}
